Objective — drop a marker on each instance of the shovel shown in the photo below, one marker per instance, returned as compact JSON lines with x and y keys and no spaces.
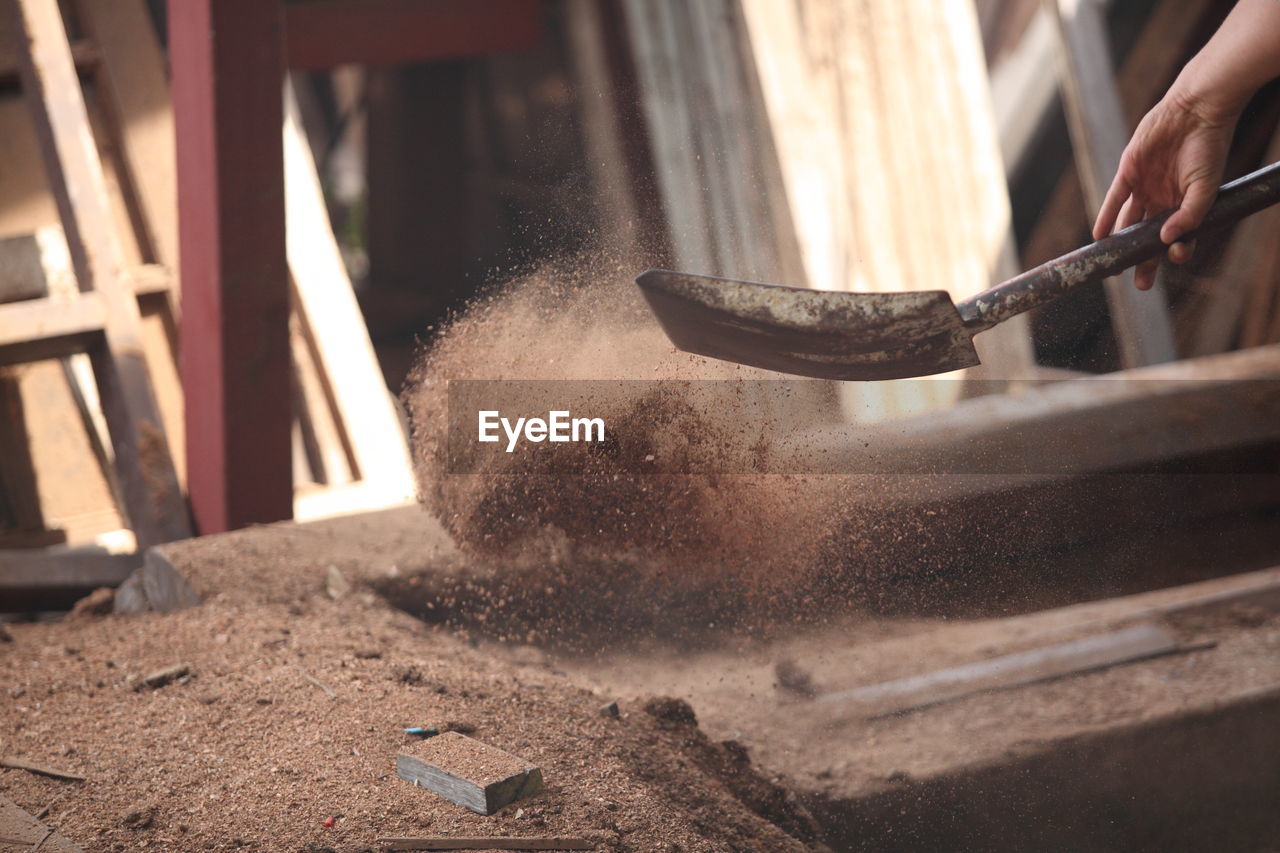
{"x":839,"y":335}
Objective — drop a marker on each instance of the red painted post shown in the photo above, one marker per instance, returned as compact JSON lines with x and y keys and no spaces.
{"x":227,"y":66}
{"x":324,"y":33}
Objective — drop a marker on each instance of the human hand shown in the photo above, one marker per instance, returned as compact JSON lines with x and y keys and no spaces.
{"x":1174,"y":162}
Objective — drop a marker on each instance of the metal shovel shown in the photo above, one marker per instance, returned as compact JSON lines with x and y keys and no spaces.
{"x":840,"y":335}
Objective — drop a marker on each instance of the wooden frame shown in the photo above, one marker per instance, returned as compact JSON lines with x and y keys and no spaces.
{"x":149,"y":484}
{"x":325,"y":33}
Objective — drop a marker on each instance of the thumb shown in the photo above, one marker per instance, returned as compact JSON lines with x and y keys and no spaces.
{"x":1195,"y":205}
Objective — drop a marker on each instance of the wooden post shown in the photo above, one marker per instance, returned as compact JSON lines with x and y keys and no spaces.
{"x":1099,"y":134}
{"x":227,"y":60}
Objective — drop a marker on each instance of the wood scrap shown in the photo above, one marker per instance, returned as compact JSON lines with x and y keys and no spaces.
{"x":1007,"y":671}
{"x":468,"y":772}
{"x":487,"y":842}
{"x":15,"y":763}
{"x":155,"y":585}
{"x":100,"y":602}
{"x":336,"y":584}
{"x":161,"y":677}
{"x":328,"y":691}
{"x":20,"y":831}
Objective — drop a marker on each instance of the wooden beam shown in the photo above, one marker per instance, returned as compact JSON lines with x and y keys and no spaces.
{"x":153,"y":498}
{"x":325,"y":33}
{"x":1001,"y":673}
{"x":33,"y":580}
{"x":24,"y":325}
{"x":1150,"y":414}
{"x":131,"y":75}
{"x":1099,"y":134}
{"x":1250,"y":269}
{"x":228,"y":111}
{"x":333,"y":324}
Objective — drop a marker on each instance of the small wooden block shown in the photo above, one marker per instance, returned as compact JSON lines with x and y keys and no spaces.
{"x":470,"y":773}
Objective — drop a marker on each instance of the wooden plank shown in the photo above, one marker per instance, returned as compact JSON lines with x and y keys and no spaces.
{"x":312,"y":501}
{"x":1146,"y":72}
{"x":20,"y":832}
{"x":599,"y":106}
{"x":1099,"y":134}
{"x":131,"y":75}
{"x":131,"y":78}
{"x":857,"y":97}
{"x":1050,"y":432}
{"x":469,"y":773}
{"x":1250,"y":270}
{"x":331,"y":321}
{"x":1022,"y":93}
{"x":326,"y":33}
{"x":235,"y":336}
{"x":327,"y":459}
{"x":35,"y":580}
{"x":717,"y":171}
{"x":487,"y":842}
{"x":153,"y":499}
{"x":1002,"y":673}
{"x":79,"y":321}
{"x":77,"y":568}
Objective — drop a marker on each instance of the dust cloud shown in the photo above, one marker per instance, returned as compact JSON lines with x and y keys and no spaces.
{"x":725,"y":526}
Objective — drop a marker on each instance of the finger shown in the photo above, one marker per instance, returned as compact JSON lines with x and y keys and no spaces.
{"x":1181,"y":251}
{"x":1195,"y":204}
{"x":1144,"y":277}
{"x":1131,"y":213}
{"x":1111,"y":205}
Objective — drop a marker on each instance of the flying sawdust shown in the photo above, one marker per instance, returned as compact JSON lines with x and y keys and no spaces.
{"x":725,"y":527}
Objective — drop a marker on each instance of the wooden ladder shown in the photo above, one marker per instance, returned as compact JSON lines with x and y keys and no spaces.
{"x":101,"y":318}
{"x":350,"y":449}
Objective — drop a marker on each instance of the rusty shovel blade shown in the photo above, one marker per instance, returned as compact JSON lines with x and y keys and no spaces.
{"x":818,"y":333}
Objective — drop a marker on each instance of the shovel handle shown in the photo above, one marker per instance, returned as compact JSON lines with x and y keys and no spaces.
{"x":1114,"y":254}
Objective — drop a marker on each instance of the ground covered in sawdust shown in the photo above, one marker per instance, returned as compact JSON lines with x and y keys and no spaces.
{"x":251,"y":752}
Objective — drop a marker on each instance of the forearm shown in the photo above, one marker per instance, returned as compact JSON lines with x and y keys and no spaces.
{"x":1240,"y":58}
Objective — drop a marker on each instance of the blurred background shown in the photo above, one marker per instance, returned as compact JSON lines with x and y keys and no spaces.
{"x":868,"y":145}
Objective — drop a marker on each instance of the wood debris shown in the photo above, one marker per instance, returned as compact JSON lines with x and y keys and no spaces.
{"x":162,"y":677}
{"x":15,"y":763}
{"x":20,"y":831}
{"x":1014,"y":670}
{"x":336,"y":583}
{"x":328,"y":691}
{"x":155,"y":585}
{"x":470,"y":773}
{"x":487,"y":842}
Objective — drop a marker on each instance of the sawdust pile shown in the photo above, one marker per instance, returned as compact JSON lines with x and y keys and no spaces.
{"x":709,"y":517}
